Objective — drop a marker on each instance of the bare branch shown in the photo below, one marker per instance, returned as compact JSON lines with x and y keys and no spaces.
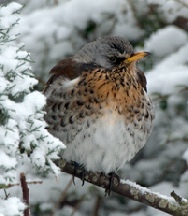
{"x":25,"y":192}
{"x":130,"y":190}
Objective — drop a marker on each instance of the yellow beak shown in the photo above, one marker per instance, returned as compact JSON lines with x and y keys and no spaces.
{"x":137,"y":56}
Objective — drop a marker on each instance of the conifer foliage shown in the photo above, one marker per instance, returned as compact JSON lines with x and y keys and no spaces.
{"x":23,"y":137}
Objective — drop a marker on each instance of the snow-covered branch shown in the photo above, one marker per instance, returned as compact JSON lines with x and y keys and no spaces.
{"x":129,"y":189}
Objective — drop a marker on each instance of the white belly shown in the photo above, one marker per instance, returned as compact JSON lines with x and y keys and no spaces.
{"x":107,"y":144}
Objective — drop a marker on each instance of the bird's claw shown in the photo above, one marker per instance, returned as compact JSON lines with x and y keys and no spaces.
{"x":83,"y":172}
{"x":113,"y":177}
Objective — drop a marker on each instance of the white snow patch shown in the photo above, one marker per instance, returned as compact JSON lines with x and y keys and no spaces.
{"x":7,"y":161}
{"x":11,"y":207}
{"x":12,"y":8}
{"x":144,"y":190}
{"x":166,"y":41}
{"x":170,"y":75}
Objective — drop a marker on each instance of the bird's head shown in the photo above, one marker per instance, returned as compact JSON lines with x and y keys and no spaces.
{"x":109,"y":52}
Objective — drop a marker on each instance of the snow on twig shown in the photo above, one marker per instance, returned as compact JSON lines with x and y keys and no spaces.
{"x":129,"y":189}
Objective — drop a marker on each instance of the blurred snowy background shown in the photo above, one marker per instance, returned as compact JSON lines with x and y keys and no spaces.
{"x":54,"y":29}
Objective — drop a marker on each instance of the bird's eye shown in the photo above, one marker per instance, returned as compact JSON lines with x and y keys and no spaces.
{"x":112,"y":58}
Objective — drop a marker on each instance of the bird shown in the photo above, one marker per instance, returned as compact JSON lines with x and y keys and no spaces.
{"x":97,"y":105}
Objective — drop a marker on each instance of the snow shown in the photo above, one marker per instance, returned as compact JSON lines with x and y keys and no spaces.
{"x":168,"y":79}
{"x":22,"y":124}
{"x":26,"y":116}
{"x":144,"y":190}
{"x":157,"y":43}
{"x":170,"y":72}
{"x":38,"y":157}
{"x":12,"y":8}
{"x":54,"y":32}
{"x":171,"y":9}
{"x":61,"y":26}
{"x":7,"y":161}
{"x":11,"y":207}
{"x":10,"y":135}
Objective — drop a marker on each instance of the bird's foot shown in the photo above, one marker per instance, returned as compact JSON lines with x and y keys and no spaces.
{"x":82,"y":169}
{"x":113,"y":177}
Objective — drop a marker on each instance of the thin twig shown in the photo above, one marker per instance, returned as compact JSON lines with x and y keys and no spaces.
{"x":34,"y":182}
{"x":6,"y":195}
{"x":97,"y":206}
{"x":64,"y":193}
{"x":78,"y":204}
{"x":18,"y":184}
{"x":178,"y":198}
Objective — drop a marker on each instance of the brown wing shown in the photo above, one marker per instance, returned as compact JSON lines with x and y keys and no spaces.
{"x":142,"y":79}
{"x":66,"y":68}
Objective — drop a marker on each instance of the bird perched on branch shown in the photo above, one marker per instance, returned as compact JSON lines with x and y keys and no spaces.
{"x":98,"y":106}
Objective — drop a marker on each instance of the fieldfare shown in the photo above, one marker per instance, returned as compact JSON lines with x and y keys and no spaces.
{"x":98,"y":106}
